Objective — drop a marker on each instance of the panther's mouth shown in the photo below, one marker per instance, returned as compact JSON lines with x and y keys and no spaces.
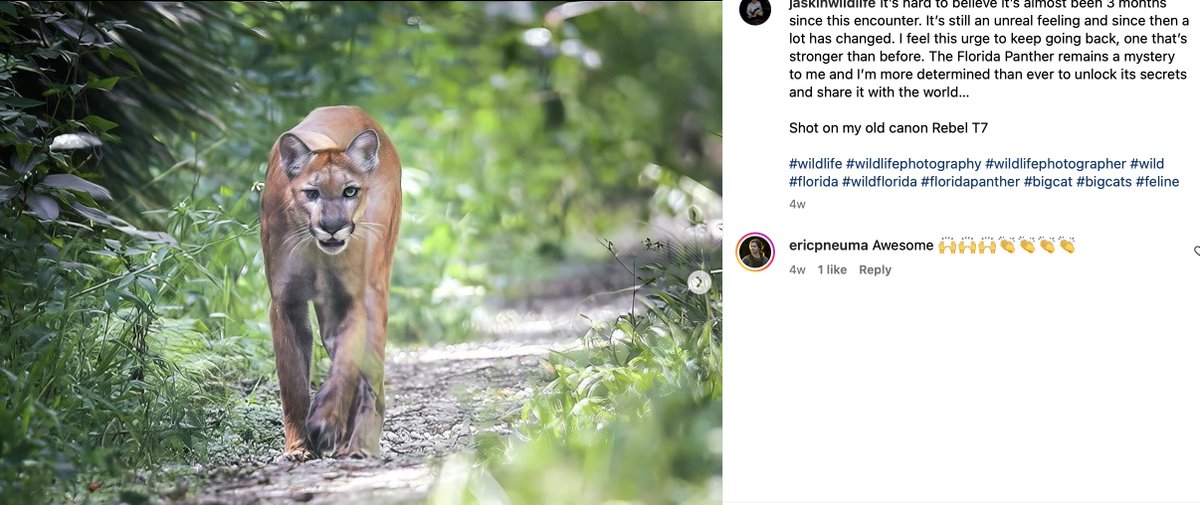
{"x":332,"y":243}
{"x":331,"y":246}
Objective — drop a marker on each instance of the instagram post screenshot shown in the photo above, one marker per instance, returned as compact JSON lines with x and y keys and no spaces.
{"x":516,"y":252}
{"x":964,"y":264}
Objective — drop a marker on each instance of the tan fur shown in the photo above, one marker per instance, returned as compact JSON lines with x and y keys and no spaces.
{"x":348,"y":289}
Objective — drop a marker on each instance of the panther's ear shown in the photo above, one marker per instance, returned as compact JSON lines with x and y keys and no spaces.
{"x":294,"y":154}
{"x":364,"y":151}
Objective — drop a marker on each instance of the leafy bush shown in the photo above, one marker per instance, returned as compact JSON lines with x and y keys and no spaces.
{"x":100,"y":372}
{"x":128,"y":74}
{"x":117,"y":338}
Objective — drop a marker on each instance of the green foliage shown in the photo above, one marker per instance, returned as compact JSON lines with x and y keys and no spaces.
{"x":118,"y":340}
{"x":123,"y":73}
{"x":518,"y":139}
{"x":634,"y":418}
{"x":545,"y":130}
{"x":100,"y":370}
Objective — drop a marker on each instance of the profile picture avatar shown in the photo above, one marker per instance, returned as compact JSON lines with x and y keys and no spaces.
{"x":755,"y":251}
{"x":755,"y":12}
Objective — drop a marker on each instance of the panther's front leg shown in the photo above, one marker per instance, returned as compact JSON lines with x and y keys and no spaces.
{"x":369,"y":402}
{"x":292,"y":339}
{"x":343,"y":329}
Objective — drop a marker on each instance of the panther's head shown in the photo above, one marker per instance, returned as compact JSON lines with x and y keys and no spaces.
{"x":328,"y":188}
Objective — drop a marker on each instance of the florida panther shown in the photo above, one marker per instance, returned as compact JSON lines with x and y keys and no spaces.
{"x":330,"y":215}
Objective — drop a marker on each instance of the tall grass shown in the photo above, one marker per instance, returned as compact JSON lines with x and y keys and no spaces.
{"x":117,"y":350}
{"x":635,"y":417}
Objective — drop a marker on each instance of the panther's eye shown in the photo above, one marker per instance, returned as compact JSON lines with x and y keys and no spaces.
{"x":350,"y":192}
{"x":311,"y":194}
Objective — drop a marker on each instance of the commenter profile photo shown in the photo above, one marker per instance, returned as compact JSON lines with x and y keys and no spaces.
{"x":755,"y":12}
{"x":755,"y":251}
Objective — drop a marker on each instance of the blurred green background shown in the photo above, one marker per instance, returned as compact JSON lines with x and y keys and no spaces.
{"x":133,"y":301}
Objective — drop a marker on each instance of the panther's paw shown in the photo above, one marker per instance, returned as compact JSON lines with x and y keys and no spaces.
{"x":296,"y":456}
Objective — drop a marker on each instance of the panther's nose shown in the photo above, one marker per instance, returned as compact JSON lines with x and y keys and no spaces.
{"x":335,"y":230}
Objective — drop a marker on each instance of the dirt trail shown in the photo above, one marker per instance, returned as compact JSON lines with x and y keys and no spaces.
{"x":438,"y":401}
